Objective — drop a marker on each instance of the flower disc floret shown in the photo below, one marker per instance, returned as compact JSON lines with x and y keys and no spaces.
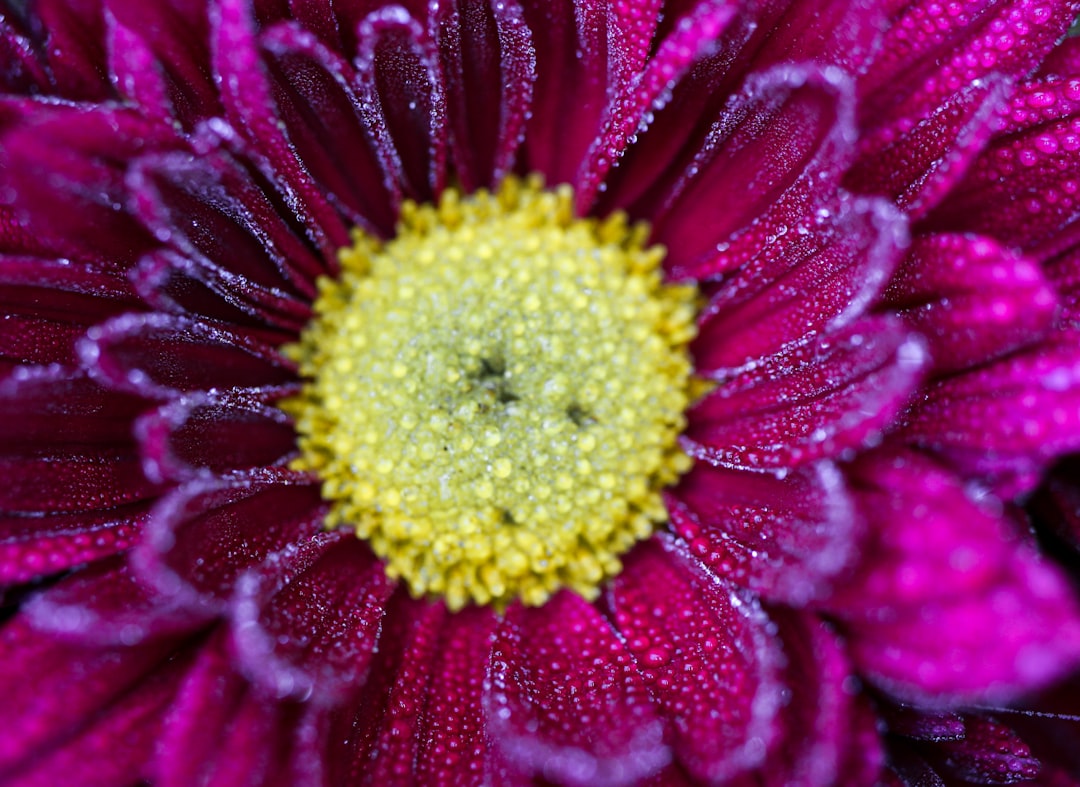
{"x":494,"y":395}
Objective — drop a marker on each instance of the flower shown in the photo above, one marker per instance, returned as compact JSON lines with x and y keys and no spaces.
{"x":884,"y":387}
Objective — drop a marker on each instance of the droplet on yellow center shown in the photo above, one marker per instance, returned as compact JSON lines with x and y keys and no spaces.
{"x":493,"y":397}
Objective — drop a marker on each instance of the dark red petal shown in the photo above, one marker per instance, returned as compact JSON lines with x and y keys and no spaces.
{"x":707,"y":655}
{"x":65,"y":482}
{"x":836,"y":393}
{"x":972,"y":299}
{"x":942,"y":578}
{"x":208,"y":208}
{"x":176,"y":34}
{"x":213,"y":433}
{"x":925,"y":725}
{"x":488,"y":64}
{"x":246,"y":94}
{"x":636,"y":97}
{"x":104,"y":604}
{"x":381,"y":734}
{"x":814,"y":276}
{"x":65,"y":164}
{"x":195,"y":288}
{"x":398,"y":71}
{"x":1004,"y":422}
{"x":783,"y":537}
{"x":48,"y":304}
{"x":52,"y":689}
{"x":114,"y":748}
{"x":918,"y":166}
{"x":564,"y":698}
{"x":336,"y":127}
{"x":160,"y":355}
{"x":74,"y":47}
{"x":772,"y":157}
{"x":202,"y":536}
{"x":305,"y":623}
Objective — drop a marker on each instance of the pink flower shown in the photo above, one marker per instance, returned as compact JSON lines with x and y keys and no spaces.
{"x":875,"y":202}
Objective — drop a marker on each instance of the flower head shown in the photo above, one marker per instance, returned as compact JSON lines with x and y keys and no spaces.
{"x":341,"y":450}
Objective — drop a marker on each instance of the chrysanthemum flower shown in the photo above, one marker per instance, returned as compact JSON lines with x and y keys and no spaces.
{"x":484,"y":392}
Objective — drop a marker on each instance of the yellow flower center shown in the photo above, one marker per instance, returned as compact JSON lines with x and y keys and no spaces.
{"x":494,"y":396}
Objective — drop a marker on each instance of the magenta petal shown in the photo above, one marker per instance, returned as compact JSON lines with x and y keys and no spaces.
{"x":832,"y":394}
{"x":213,"y":433}
{"x":135,"y":71}
{"x":942,"y":578}
{"x":159,"y":355}
{"x":817,"y":275}
{"x":489,"y":67}
{"x":1005,"y":421}
{"x":36,"y":546}
{"x":205,"y":704}
{"x":971,"y":298}
{"x":918,"y":166}
{"x":306,"y":621}
{"x":203,"y":535}
{"x":52,"y":689}
{"x":783,"y":537}
{"x":454,"y":744}
{"x":814,"y":727}
{"x":74,"y":47}
{"x":564,"y":697}
{"x":115,"y":748}
{"x":1022,"y":189}
{"x":705,"y":652}
{"x":63,"y":165}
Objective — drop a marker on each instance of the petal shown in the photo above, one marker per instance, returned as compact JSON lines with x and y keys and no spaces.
{"x":213,"y":433}
{"x":972,"y":299}
{"x":918,"y":166}
{"x":565,"y":700}
{"x":944,"y":577}
{"x":203,"y":535}
{"x":814,"y":729}
{"x":988,"y":753}
{"x":835,"y":393}
{"x":117,"y":746}
{"x":160,"y":355}
{"x":1022,"y":187}
{"x":772,"y":157}
{"x":104,"y":604}
{"x":783,"y":537}
{"x":1005,"y":421}
{"x":249,"y":105}
{"x":706,"y":654}
{"x":641,"y":91}
{"x":52,"y":689}
{"x":489,"y":91}
{"x":800,"y":283}
{"x":305,"y":622}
